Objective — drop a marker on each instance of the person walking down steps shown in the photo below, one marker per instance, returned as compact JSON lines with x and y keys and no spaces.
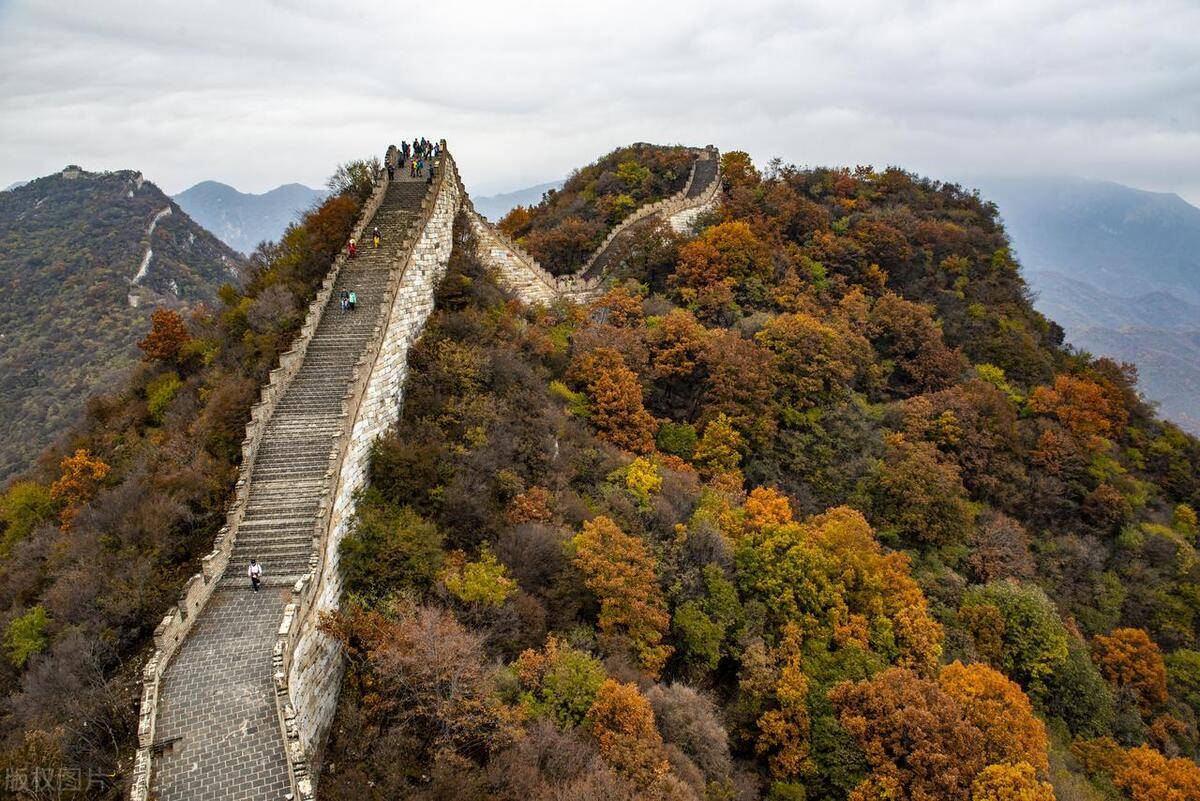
{"x":255,"y":573}
{"x":375,"y":237}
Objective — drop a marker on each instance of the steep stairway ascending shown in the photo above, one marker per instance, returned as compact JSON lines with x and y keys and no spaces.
{"x":289,"y":471}
{"x":216,"y":703}
{"x":703,"y":176}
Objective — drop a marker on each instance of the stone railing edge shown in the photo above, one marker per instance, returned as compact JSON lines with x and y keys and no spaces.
{"x":300,"y":603}
{"x":173,"y":629}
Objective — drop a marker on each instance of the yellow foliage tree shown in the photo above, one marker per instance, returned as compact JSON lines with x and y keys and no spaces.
{"x":78,"y":483}
{"x":621,"y":572}
{"x":1010,"y":782}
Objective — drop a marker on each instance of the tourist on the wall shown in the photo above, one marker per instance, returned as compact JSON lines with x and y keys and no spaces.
{"x":255,"y":572}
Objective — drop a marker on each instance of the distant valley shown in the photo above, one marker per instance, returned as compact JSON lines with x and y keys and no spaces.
{"x":1119,"y":269}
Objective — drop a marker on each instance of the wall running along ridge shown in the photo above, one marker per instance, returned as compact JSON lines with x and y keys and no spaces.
{"x":522,"y":273}
{"x":307,"y":664}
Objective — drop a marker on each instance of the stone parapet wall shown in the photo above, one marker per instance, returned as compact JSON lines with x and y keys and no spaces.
{"x":175,"y":625}
{"x":308,"y":664}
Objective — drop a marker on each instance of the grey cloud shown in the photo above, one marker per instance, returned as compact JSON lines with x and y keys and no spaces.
{"x":258,"y":94}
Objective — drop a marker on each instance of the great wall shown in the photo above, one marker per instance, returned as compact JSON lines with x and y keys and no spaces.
{"x":241,"y":689}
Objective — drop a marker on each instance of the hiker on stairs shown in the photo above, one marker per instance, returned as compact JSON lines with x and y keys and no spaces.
{"x":375,"y":237}
{"x":255,"y":572}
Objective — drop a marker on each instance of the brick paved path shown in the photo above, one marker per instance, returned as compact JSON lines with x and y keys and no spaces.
{"x":222,"y":704}
{"x":217,"y":694}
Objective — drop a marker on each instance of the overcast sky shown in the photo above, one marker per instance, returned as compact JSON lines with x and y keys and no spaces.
{"x":261,"y":93}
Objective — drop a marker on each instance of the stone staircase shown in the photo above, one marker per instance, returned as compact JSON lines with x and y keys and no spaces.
{"x":217,"y":729}
{"x":291,"y":468}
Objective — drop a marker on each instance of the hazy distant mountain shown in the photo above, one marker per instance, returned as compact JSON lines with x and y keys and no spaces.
{"x":496,"y":206}
{"x":84,"y":257}
{"x":16,"y":185}
{"x":242,"y":220}
{"x":1119,"y":269}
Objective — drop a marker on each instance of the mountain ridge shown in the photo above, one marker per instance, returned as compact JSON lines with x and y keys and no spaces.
{"x":84,"y":256}
{"x":244,"y":219}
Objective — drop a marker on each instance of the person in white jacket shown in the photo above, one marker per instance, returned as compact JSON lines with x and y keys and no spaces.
{"x":255,"y":573}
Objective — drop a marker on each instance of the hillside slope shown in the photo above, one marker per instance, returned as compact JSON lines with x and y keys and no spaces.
{"x":83,"y":257}
{"x":810,"y":504}
{"x":243,"y":220}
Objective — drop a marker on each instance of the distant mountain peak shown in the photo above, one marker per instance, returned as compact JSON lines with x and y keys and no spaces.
{"x":243,"y":219}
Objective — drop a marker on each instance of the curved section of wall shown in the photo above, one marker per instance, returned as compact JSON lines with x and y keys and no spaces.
{"x":522,"y":274}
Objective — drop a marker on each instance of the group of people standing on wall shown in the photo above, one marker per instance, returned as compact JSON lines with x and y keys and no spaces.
{"x":419,"y":155}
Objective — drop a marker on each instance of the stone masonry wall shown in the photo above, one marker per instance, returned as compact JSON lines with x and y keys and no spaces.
{"x":308,"y":663}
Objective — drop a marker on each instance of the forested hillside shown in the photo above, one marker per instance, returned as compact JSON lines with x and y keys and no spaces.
{"x":810,"y":504}
{"x":83,"y":258}
{"x":97,"y":539}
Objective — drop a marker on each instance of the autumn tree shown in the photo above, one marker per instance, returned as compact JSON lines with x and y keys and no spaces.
{"x":1016,"y":628}
{"x":783,"y":730}
{"x":615,"y":400}
{"x":719,"y":449}
{"x":915,"y":736}
{"x":1000,"y":710}
{"x":1128,"y":658}
{"x":78,"y":483}
{"x":167,"y":338}
{"x":1147,"y":775}
{"x":817,"y":359}
{"x":919,"y":497}
{"x":906,"y":334}
{"x":1085,"y":407}
{"x":622,"y":722}
{"x":621,"y":572}
{"x":1010,"y":782}
{"x":830,"y":575}
{"x":559,"y":682}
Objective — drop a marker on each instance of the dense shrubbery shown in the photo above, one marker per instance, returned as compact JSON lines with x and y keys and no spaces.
{"x":564,"y":229}
{"x":96,"y":541}
{"x":810,"y":505}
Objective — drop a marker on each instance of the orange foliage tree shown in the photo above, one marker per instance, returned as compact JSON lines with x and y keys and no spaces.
{"x":1147,"y":775}
{"x":615,"y":398}
{"x":1085,"y":407}
{"x":621,"y":572}
{"x":78,"y":483}
{"x":914,"y":735}
{"x":622,"y":722}
{"x":1000,"y":710}
{"x":1129,"y":658}
{"x":168,"y":334}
